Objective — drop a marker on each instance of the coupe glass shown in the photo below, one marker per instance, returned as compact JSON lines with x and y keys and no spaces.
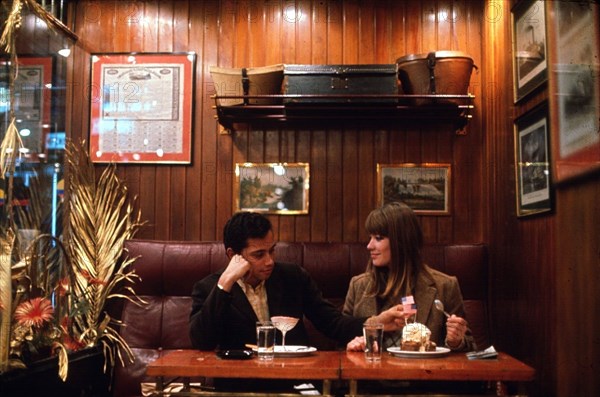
{"x":284,"y":324}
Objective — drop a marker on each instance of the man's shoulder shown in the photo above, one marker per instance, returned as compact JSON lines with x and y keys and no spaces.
{"x":210,"y":279}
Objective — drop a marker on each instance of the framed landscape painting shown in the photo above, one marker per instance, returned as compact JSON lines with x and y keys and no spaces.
{"x":272,"y":188}
{"x":423,"y":187}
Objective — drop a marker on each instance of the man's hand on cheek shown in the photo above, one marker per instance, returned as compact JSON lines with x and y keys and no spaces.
{"x":237,"y":268}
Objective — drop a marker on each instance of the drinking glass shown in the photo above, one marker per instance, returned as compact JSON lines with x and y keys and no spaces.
{"x":373,"y":334}
{"x":284,"y":324}
{"x":265,"y":340}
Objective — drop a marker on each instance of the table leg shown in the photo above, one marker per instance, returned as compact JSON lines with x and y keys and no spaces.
{"x":326,"y":387}
{"x":353,"y":387}
{"x":501,"y":389}
{"x":160,"y":384}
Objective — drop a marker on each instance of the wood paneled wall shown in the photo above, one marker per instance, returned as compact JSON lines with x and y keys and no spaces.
{"x":531,"y":258}
{"x":193,"y":202}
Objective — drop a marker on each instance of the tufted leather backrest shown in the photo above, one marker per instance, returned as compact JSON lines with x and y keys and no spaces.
{"x":169,"y":269}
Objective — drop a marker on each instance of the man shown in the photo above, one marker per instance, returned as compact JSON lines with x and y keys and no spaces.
{"x":254,"y":287}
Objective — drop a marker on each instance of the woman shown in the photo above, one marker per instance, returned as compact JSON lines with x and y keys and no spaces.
{"x":396,"y":270}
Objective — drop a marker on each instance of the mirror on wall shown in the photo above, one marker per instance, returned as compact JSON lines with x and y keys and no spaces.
{"x":33,"y":98}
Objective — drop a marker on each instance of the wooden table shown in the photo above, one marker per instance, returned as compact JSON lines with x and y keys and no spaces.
{"x":333,"y":365}
{"x":322,"y":365}
{"x":453,"y":367}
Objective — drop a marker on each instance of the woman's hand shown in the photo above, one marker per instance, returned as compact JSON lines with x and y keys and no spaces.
{"x":356,"y":345}
{"x":456,"y":328}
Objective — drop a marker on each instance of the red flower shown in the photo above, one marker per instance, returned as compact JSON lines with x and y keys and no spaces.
{"x":68,"y":341}
{"x":63,"y":286}
{"x":92,"y":280}
{"x":71,"y":343}
{"x":34,"y":312}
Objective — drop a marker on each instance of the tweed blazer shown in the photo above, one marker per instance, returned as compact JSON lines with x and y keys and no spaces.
{"x":442,"y":287}
{"x":226,"y":320}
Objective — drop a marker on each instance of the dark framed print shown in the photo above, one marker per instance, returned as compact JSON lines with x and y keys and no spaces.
{"x":272,"y":188}
{"x":530,"y":67}
{"x":141,"y":107}
{"x":574,"y":29}
{"x":423,"y":187}
{"x":532,"y":163}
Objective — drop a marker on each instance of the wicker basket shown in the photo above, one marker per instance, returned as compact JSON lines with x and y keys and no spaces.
{"x":265,"y":80}
{"x":440,"y":72}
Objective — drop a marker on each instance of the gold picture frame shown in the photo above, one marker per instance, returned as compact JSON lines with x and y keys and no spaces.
{"x":423,"y":187}
{"x":272,"y":188}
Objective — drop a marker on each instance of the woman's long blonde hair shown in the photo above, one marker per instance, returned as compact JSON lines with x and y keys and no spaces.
{"x":398,"y":222}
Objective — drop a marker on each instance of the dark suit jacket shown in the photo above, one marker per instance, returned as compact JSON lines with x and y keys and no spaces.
{"x":227,"y":321}
{"x":442,"y":287}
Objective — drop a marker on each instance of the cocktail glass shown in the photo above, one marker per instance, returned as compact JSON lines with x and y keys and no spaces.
{"x":284,"y":324}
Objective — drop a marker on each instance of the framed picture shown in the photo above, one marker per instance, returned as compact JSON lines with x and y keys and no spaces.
{"x":532,"y":164}
{"x":423,"y":187}
{"x":575,"y":89}
{"x":530,"y":67}
{"x":141,"y":107}
{"x":33,"y":98}
{"x":273,"y":188}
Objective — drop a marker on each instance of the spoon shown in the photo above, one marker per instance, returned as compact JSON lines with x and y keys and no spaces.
{"x":440,"y":306}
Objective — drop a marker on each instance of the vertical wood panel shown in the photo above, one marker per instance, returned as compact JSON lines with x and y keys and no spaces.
{"x":193,"y":178}
{"x":318,"y":224}
{"x":525,"y":268}
{"x":366,"y":34}
{"x":303,"y":154}
{"x":206,"y":131}
{"x":343,"y":162}
{"x":577,"y":275}
{"x":350,"y":40}
{"x":351,"y":189}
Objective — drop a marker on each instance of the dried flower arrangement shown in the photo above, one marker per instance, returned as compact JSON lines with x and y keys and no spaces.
{"x":59,"y":287}
{"x":54,"y":289}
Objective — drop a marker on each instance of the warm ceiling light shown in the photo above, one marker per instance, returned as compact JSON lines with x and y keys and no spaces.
{"x":65,"y":52}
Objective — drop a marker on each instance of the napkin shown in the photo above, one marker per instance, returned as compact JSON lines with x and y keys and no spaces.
{"x":307,"y":389}
{"x":490,"y":352}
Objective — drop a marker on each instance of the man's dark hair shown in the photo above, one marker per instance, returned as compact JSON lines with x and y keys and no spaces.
{"x":243,"y":226}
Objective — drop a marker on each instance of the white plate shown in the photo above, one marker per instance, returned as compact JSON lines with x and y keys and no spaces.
{"x":293,"y":351}
{"x":439,"y":352}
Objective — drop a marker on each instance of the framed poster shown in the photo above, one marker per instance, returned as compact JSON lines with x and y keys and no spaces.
{"x":575,"y":89}
{"x":141,"y":107}
{"x":32,"y":98}
{"x":532,"y":164}
{"x":273,"y":188}
{"x":530,"y":67}
{"x":423,"y":187}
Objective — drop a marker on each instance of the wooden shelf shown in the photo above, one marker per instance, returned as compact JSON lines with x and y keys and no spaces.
{"x":295,"y":111}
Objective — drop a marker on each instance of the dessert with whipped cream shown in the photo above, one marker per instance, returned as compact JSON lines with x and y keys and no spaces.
{"x":416,"y":337}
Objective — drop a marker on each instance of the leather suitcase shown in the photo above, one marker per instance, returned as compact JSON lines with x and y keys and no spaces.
{"x":343,"y":80}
